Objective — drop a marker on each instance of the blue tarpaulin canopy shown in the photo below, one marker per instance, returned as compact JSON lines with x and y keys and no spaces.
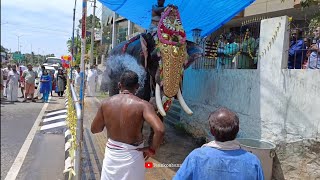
{"x":207,"y":15}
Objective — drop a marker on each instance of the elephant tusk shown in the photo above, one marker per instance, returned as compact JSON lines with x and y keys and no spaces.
{"x":158,"y":101}
{"x":183,"y":103}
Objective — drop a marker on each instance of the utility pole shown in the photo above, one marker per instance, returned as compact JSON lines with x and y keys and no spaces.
{"x":92,"y":32}
{"x":72,"y":46}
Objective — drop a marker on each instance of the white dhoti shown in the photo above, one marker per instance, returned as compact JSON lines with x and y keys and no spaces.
{"x":38,"y":94}
{"x":122,"y":162}
{"x":5,"y":88}
{"x":91,"y":83}
{"x":91,"y":88}
{"x":12,"y":92}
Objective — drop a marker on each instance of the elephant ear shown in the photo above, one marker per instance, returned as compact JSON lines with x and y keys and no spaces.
{"x":144,"y":50}
{"x":194,"y":52}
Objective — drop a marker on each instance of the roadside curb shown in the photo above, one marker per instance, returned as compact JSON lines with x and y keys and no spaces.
{"x":68,"y":165}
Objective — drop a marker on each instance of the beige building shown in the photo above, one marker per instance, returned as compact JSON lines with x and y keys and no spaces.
{"x":122,"y":29}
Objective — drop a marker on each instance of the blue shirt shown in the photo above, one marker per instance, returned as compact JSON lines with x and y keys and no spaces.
{"x":297,"y":53}
{"x":213,"y":164}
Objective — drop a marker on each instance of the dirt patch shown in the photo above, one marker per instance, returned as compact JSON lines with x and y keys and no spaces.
{"x":177,"y":147}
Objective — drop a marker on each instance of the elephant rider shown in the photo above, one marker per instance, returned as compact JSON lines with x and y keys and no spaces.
{"x":156,"y":15}
{"x":123,"y":116}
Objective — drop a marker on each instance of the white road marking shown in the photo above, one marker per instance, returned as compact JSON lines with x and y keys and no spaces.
{"x":16,"y":166}
{"x":67,"y":146}
{"x":67,"y":163}
{"x":55,"y":118}
{"x":67,"y":133}
{"x":56,"y":112}
{"x":53,"y":125}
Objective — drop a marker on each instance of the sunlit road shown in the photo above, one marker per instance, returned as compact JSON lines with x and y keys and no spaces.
{"x":16,"y":122}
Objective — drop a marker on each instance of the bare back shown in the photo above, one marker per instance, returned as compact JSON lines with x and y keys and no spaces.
{"x":123,"y":118}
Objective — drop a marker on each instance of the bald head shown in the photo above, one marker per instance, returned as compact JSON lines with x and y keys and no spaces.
{"x":224,"y":124}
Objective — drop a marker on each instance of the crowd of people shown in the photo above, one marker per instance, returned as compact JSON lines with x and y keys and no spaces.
{"x":234,"y":51}
{"x":304,"y":52}
{"x":15,"y":76}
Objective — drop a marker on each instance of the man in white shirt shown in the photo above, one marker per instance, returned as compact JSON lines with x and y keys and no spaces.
{"x":5,"y":77}
{"x":77,"y":82}
{"x":91,"y":82}
{"x":314,"y":59}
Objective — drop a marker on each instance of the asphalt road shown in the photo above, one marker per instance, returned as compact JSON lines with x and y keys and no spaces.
{"x":16,"y":122}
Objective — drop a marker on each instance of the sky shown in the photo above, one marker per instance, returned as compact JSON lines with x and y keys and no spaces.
{"x":43,"y":26}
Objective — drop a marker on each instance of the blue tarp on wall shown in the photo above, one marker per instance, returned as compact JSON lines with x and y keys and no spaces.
{"x":207,"y":15}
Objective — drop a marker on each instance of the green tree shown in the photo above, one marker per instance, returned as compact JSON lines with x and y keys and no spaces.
{"x":89,"y":24}
{"x":3,"y":49}
{"x":315,"y":20}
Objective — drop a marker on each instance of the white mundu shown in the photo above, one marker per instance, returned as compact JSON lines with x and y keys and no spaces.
{"x":122,"y":162}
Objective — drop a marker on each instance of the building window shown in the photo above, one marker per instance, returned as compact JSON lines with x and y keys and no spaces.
{"x":122,"y":31}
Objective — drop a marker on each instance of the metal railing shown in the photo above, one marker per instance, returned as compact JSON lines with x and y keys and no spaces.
{"x":79,"y":134}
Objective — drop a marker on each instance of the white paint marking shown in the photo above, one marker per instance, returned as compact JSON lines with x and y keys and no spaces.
{"x":66,"y":100}
{"x":56,"y":112}
{"x":53,"y":125}
{"x":67,"y":163}
{"x":67,"y":133}
{"x":67,"y":146}
{"x":16,"y":166}
{"x":55,"y":118}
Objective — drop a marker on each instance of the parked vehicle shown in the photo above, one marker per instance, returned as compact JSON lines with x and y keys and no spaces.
{"x":52,"y":60}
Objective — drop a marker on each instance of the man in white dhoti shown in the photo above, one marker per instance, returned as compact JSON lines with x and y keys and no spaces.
{"x":91,"y":82}
{"x":40,"y":72}
{"x":77,"y":81}
{"x":123,"y":116}
{"x":5,"y":78}
{"x":2,"y":85}
{"x":13,"y":84}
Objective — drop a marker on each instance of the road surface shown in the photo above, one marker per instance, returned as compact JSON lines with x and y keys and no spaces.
{"x":44,"y":157}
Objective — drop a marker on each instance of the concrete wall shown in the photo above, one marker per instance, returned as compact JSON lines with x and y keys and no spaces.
{"x":273,"y":103}
{"x":206,"y":90}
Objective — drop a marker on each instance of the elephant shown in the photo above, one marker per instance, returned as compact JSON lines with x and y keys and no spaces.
{"x":159,"y":59}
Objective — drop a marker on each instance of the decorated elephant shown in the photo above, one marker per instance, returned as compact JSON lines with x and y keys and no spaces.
{"x":159,"y":58}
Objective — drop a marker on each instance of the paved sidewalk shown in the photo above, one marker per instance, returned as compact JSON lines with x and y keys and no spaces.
{"x":177,"y":147}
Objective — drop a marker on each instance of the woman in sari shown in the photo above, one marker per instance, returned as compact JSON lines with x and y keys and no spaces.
{"x":45,"y":87}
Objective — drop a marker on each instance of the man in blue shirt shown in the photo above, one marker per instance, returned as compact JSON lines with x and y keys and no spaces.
{"x":222,"y":158}
{"x":297,"y":50}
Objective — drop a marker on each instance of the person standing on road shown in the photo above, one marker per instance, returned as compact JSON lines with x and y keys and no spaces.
{"x":30,"y":76}
{"x":45,"y":87}
{"x":38,"y":94}
{"x":61,"y":86}
{"x":77,"y":82}
{"x":13,"y":84}
{"x":22,"y":81}
{"x":222,"y":158}
{"x":1,"y":83}
{"x":5,"y":78}
{"x":123,"y":116}
{"x":91,"y":82}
